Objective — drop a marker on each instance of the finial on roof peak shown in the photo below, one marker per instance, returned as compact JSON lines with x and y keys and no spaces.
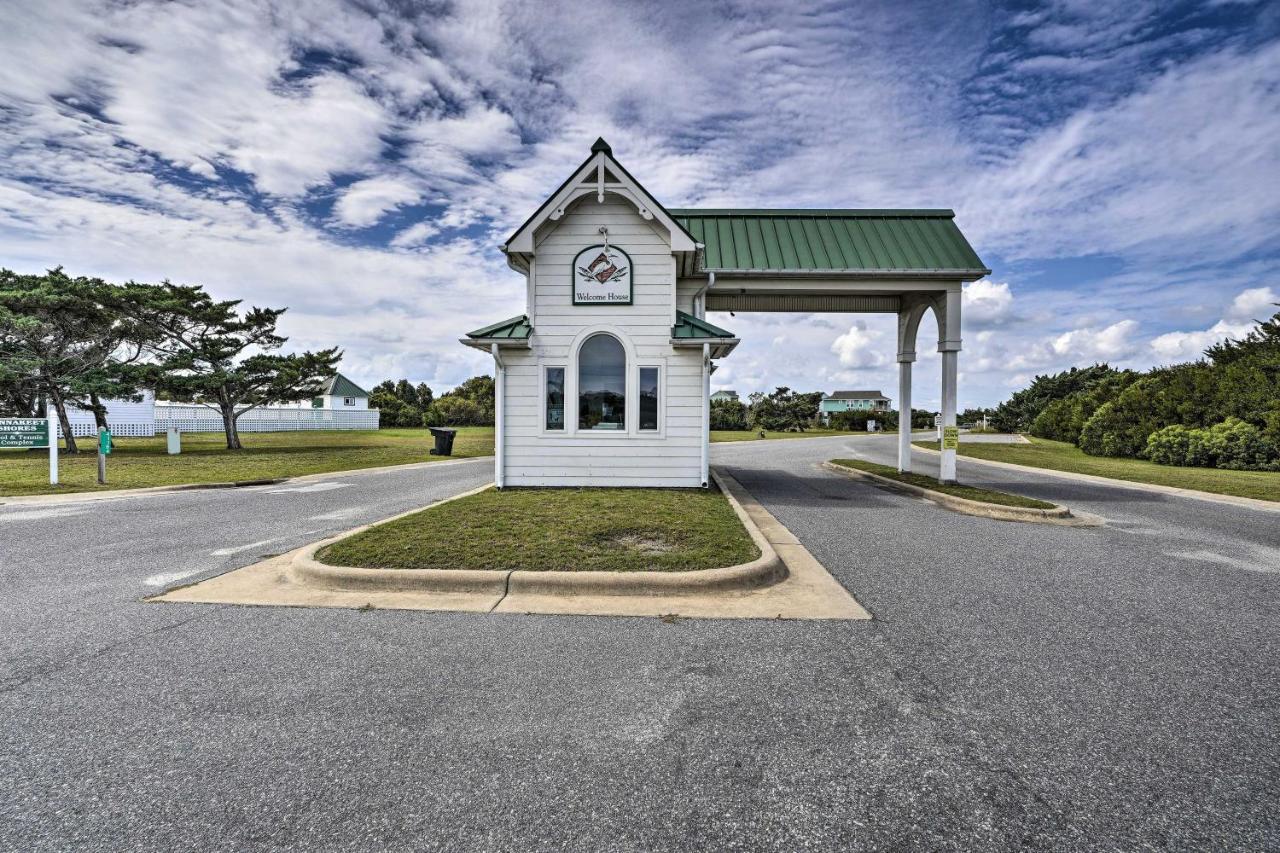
{"x":601,"y":145}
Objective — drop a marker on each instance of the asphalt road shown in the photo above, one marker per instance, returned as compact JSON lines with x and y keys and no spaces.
{"x":1022,"y":686}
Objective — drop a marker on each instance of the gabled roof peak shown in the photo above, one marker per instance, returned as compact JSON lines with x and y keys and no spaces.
{"x":601,"y":145}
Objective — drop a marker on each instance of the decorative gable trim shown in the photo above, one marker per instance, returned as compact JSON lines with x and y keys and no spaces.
{"x":592,"y":177}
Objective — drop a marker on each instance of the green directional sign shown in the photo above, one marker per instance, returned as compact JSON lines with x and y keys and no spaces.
{"x":24,"y":432}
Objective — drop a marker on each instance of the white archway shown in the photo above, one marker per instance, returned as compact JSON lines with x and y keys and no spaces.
{"x":946,"y":309}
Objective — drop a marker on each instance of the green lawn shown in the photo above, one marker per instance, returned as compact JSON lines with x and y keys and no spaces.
{"x":754,"y":435}
{"x":1061,"y":456}
{"x":139,"y":462}
{"x":617,"y":530}
{"x":958,"y":490}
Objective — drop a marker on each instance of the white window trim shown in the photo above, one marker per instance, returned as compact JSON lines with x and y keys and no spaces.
{"x":661,"y":366}
{"x":571,"y":386}
{"x":543,"y":431}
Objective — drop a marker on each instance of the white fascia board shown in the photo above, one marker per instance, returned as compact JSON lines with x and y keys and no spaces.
{"x":484,"y":344}
{"x":586,"y":180}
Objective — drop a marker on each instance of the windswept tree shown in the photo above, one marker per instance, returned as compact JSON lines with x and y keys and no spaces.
{"x":784,"y":410}
{"x":68,"y":340}
{"x":208,"y":353}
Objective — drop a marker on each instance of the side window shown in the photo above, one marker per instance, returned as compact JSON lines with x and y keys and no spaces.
{"x":648,"y":398}
{"x":555,"y":398}
{"x":348,"y":401}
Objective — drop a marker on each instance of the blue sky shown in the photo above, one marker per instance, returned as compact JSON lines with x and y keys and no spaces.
{"x":1115,"y":164}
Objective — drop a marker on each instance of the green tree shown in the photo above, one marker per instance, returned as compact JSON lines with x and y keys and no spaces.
{"x":210,"y":354}
{"x":469,"y":404}
{"x":729,"y":415}
{"x":423,"y":396}
{"x":64,"y":339}
{"x":784,"y":410}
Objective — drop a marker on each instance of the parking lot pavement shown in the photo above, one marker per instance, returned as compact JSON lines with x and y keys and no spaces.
{"x":1021,"y":687}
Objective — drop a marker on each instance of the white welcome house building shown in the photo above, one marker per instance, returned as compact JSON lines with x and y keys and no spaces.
{"x":605,"y":379}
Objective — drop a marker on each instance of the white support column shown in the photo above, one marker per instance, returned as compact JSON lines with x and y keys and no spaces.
{"x":949,"y":347}
{"x":499,"y":421}
{"x":904,"y":412}
{"x":947,"y":474}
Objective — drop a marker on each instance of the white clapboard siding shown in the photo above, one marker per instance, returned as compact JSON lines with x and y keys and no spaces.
{"x":537,"y":457}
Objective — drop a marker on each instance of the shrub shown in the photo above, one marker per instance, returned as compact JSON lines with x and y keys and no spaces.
{"x":1169,"y":446}
{"x":1232,"y":444}
{"x":1059,"y":421}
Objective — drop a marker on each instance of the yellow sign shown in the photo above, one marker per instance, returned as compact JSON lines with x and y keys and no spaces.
{"x":950,"y":438}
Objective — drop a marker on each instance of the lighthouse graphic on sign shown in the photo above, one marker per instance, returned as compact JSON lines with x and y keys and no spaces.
{"x":602,"y":276}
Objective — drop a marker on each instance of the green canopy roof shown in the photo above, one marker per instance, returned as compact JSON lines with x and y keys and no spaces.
{"x":889,"y":242}
{"x":690,"y":327}
{"x":516,"y":328}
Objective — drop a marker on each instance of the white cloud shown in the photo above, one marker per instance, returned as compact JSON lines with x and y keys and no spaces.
{"x":364,"y":202}
{"x":986,"y":303}
{"x":1238,"y":320}
{"x":863,"y":346}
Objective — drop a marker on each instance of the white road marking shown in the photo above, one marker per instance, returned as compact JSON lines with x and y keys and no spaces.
{"x":166,"y":578}
{"x":37,"y":514}
{"x":338,"y":514}
{"x":1263,"y":559}
{"x":226,"y":552}
{"x":317,"y":487}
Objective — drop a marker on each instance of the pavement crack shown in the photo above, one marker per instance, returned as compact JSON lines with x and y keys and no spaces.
{"x":68,"y":663}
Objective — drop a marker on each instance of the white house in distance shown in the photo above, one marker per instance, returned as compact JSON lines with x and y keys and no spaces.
{"x":605,"y":379}
{"x":724,"y":395}
{"x":341,"y":393}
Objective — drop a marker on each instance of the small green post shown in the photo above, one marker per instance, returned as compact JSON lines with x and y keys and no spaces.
{"x":104,"y":448}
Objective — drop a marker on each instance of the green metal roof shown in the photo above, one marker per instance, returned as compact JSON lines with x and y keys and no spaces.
{"x":341,"y":386}
{"x":902,"y":242}
{"x":516,"y":328}
{"x":688,"y":326}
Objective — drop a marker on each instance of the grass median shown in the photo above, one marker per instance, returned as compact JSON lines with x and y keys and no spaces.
{"x":567,"y":530}
{"x":140,"y":462}
{"x":958,"y":490}
{"x":1062,"y":456}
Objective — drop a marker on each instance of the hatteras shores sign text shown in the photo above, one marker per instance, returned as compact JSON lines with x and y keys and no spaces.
{"x":602,"y":276}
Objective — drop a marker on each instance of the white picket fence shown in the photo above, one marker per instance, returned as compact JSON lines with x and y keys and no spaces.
{"x":200,"y":419}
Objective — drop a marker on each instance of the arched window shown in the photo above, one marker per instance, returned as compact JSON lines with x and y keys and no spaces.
{"x":602,"y":383}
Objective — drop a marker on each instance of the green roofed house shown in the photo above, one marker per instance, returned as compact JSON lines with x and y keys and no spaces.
{"x":342,"y":394}
{"x":605,"y":379}
{"x":853,"y":401}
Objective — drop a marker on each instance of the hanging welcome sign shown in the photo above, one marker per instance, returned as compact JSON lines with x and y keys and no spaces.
{"x":602,"y":276}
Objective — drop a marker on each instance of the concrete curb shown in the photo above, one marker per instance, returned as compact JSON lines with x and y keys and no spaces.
{"x":1195,"y":494}
{"x":146,"y":491}
{"x":1057,"y":515}
{"x":765,"y":570}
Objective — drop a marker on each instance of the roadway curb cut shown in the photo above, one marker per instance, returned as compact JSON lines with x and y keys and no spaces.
{"x":1057,"y":515}
{"x":1156,"y":488}
{"x":765,"y":570}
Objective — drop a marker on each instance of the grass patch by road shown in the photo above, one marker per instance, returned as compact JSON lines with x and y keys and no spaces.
{"x":754,"y":435}
{"x":958,"y":490}
{"x":616,"y":530}
{"x":140,"y":462}
{"x":1062,"y":456}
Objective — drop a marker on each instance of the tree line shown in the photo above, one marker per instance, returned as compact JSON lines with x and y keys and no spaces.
{"x":785,"y":410}
{"x":403,"y":404}
{"x":78,"y":341}
{"x":1221,"y":410}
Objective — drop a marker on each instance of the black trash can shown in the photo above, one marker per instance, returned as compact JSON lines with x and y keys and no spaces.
{"x":444,"y":441}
